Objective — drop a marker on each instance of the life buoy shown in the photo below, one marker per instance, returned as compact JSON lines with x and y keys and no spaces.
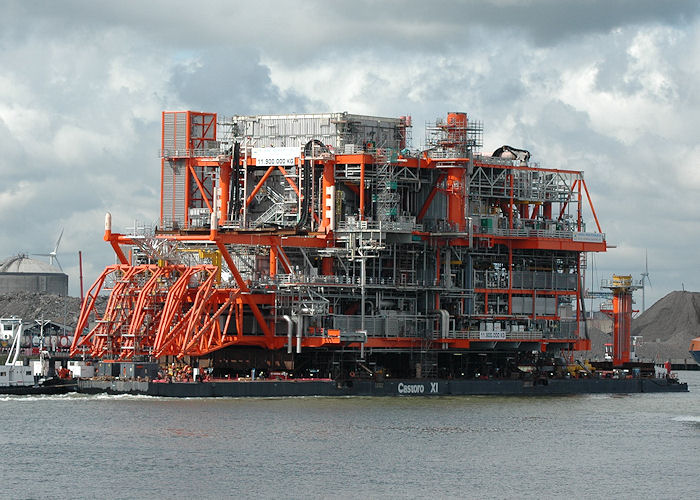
{"x":352,"y":374}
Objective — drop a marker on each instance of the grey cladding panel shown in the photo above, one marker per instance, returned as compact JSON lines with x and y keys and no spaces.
{"x":174,"y":192}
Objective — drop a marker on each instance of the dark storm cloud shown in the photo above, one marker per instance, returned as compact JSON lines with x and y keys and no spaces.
{"x":308,"y":30}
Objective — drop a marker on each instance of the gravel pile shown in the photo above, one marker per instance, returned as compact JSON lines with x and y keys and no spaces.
{"x":668,"y":326}
{"x":31,"y":306}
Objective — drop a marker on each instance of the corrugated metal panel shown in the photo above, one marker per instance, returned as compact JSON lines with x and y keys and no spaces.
{"x":180,"y":212}
{"x":174,"y":130}
{"x":522,"y":304}
{"x":166,"y":194}
{"x":374,"y":325}
{"x":174,"y":193}
{"x":437,"y":212}
{"x":168,"y":131}
{"x":181,"y":131}
{"x":333,"y":129}
{"x":565,"y":281}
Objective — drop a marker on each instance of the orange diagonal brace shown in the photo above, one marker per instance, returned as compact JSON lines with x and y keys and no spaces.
{"x":290,"y":180}
{"x":201,"y":188}
{"x":117,"y":313}
{"x":145,"y":298}
{"x":199,"y":335}
{"x":201,"y":300}
{"x":590,"y":204}
{"x":231,"y":310}
{"x":563,"y":207}
{"x":430,"y":197}
{"x":284,"y":259}
{"x":173,"y":302}
{"x":244,"y":289}
{"x":259,"y":185}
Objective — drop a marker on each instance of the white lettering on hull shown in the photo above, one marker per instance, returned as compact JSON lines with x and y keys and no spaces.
{"x":417,"y":388}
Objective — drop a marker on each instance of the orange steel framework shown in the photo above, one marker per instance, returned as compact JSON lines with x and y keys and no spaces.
{"x":621,"y":314}
{"x":327,"y":232}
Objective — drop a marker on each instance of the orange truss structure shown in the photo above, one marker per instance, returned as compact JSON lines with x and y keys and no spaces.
{"x":327,"y":233}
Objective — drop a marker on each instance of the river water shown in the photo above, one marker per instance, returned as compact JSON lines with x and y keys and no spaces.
{"x":585,"y":446}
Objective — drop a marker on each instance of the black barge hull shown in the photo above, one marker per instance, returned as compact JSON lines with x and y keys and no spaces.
{"x":33,"y":390}
{"x":436,"y":387}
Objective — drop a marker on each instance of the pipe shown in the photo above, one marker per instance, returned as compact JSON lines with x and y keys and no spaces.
{"x":306,"y":194}
{"x":108,"y":225}
{"x":290,"y":330}
{"x":362,"y":188}
{"x":80,"y":262}
{"x":235,"y":184}
{"x":300,"y":328}
{"x":213,"y":225}
{"x":444,"y":326}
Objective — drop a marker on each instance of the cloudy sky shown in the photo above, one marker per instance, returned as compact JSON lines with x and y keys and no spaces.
{"x":612,"y":90}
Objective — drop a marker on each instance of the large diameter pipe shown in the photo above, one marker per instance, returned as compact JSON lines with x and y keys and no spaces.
{"x":108,"y":225}
{"x":444,"y":326}
{"x":300,"y":329}
{"x":290,"y":331}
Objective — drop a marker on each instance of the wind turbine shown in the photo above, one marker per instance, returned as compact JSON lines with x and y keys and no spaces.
{"x":645,"y":276}
{"x":53,"y":255}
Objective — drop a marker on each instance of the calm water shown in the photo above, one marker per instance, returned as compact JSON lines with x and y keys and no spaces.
{"x":598,"y":446}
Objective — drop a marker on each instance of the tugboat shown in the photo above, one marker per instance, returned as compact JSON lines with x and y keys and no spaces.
{"x":17,"y":378}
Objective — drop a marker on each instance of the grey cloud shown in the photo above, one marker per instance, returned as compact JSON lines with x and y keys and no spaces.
{"x":232,"y":80}
{"x":109,"y":68}
{"x":310,"y":30}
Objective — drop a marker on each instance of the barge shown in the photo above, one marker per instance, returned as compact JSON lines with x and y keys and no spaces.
{"x":408,"y":387}
{"x":325,"y":244}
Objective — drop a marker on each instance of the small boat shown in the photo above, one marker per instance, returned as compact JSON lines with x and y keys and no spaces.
{"x":695,"y":349}
{"x":17,"y":378}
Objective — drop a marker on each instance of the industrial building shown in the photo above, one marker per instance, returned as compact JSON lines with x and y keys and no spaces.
{"x":23,"y":274}
{"x":324,"y":243}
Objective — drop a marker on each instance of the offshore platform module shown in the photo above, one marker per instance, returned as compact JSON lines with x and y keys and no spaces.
{"x":322,"y":242}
